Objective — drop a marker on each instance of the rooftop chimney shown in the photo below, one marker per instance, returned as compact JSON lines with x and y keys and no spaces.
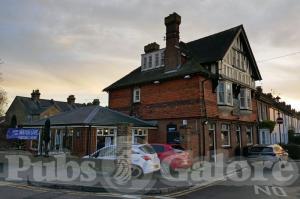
{"x":151,"y":47}
{"x":71,"y":99}
{"x":172,"y":52}
{"x":35,"y":95}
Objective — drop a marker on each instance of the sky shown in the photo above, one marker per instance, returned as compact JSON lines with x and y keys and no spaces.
{"x":79,"y":47}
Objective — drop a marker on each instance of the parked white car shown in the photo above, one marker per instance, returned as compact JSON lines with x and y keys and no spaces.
{"x":267,"y":155}
{"x":144,"y":159}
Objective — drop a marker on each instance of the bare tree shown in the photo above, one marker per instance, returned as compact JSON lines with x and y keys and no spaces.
{"x":3,"y":96}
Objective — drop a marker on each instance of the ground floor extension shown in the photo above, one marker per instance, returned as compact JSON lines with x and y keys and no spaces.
{"x":84,"y":130}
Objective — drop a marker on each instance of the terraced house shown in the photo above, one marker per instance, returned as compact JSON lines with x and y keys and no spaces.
{"x":201,"y":91}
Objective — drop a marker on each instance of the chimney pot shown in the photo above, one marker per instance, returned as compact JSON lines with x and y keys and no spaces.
{"x":35,"y":95}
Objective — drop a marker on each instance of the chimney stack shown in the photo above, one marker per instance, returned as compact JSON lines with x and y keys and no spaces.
{"x":35,"y":95}
{"x":172,"y":52}
{"x":71,"y":99}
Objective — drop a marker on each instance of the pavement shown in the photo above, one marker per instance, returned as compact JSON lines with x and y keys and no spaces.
{"x":193,"y":184}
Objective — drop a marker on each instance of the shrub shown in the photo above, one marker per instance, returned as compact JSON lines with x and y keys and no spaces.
{"x":267,"y":124}
{"x":293,"y":150}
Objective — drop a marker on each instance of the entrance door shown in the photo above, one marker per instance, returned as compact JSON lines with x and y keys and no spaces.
{"x":172,"y":134}
{"x":100,"y":142}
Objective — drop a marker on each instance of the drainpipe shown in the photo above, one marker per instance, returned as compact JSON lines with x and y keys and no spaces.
{"x":88,"y":140}
{"x":205,"y":116}
{"x":258,"y":110}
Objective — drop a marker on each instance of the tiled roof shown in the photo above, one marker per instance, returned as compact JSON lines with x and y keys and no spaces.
{"x":36,"y":107}
{"x":91,"y":115}
{"x":205,"y":50}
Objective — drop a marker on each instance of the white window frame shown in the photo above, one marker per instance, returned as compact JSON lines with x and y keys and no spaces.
{"x":245,"y":94}
{"x":162,"y":58}
{"x":150,"y":63}
{"x":136,"y":95}
{"x":156,"y":59}
{"x":227,"y":129}
{"x":227,"y":92}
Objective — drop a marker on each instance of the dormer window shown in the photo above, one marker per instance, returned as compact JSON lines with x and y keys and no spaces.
{"x":150,"y":61}
{"x":162,"y":58}
{"x":136,"y":95}
{"x":156,"y":60}
{"x":145,"y":62}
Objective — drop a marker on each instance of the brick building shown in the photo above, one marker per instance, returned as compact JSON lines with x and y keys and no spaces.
{"x":206,"y":86}
{"x":269,"y":109}
{"x":26,"y":109}
{"x":84,"y":130}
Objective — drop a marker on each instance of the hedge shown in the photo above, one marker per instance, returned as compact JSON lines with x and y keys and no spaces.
{"x":293,"y":151}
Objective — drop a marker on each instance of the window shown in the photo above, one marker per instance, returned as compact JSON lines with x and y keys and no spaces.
{"x":225,"y":135}
{"x":221,"y":93}
{"x":245,"y":99}
{"x":145,"y":62}
{"x":233,"y":58}
{"x":150,"y":61}
{"x":238,"y":59}
{"x":249,"y":135}
{"x":136,"y":95}
{"x":156,"y":59}
{"x":225,"y":93}
{"x":162,"y":59}
{"x":229,"y":93}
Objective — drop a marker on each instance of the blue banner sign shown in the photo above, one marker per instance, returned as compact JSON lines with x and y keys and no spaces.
{"x":22,"y":134}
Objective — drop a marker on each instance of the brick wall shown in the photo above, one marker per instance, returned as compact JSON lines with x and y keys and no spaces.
{"x":182,"y":99}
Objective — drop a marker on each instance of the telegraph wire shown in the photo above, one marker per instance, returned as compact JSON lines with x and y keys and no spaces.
{"x":278,"y":57}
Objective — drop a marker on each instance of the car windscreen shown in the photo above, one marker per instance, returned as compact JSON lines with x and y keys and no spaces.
{"x":147,"y":149}
{"x":158,"y":148}
{"x":261,"y":150}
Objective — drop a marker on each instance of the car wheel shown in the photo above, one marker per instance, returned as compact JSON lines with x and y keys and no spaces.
{"x":136,"y":172}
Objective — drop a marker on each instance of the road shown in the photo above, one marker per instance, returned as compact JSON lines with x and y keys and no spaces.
{"x":248,"y":189}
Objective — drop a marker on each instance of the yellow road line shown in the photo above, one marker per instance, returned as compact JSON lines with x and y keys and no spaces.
{"x":185,"y":192}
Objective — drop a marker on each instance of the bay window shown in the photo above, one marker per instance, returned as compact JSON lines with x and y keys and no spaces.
{"x":225,"y":93}
{"x":245,"y":99}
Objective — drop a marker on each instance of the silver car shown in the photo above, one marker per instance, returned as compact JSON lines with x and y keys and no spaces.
{"x":267,"y":156}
